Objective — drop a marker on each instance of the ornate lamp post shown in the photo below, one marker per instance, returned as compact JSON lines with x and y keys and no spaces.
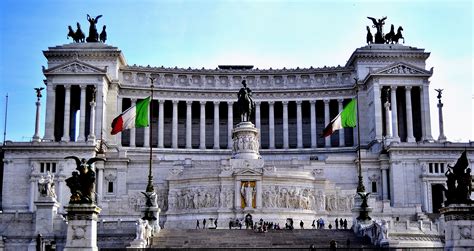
{"x":149,"y":187}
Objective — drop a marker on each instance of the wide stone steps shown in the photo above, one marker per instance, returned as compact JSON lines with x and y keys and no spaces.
{"x":248,"y":239}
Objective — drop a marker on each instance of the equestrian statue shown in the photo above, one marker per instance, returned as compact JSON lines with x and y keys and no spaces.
{"x":245,"y":102}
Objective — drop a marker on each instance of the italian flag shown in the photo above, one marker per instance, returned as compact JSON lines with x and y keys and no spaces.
{"x":134,"y":117}
{"x":347,"y":118}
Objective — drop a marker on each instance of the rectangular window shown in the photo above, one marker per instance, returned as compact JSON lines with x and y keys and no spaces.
{"x":53,"y":168}
{"x":431,"y":167}
{"x":442,"y":167}
{"x":110,"y":187}
{"x":374,"y":187}
{"x":41,"y":167}
{"x":436,"y":168}
{"x":48,"y":167}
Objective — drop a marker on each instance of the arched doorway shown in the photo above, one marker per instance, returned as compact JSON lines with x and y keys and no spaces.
{"x":437,"y":197}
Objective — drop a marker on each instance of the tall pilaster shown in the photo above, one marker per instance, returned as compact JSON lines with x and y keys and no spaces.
{"x":230,"y":123}
{"x":67,"y":110}
{"x":326,"y":121}
{"x":174,"y":132}
{"x":82,"y":121}
{"x":299,"y":124}
{"x":313,"y":123}
{"x":342,"y":141}
{"x":189,"y":124}
{"x":216,"y":125}
{"x":257,"y":119}
{"x":50,"y":112}
{"x":425,"y":111}
{"x":388,"y":131}
{"x":384,"y":184}
{"x":202,"y":126}
{"x":161,"y":124}
{"x":378,"y":111}
{"x":410,"y":137}
{"x":285,"y":125}
{"x":132,"y":130}
{"x":271,"y":124}
{"x":393,"y":94}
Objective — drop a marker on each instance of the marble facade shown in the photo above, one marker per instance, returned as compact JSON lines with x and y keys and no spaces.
{"x":201,"y":171}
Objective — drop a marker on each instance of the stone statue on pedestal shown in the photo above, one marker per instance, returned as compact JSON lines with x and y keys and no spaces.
{"x":46,"y":186}
{"x":248,"y":193}
{"x":459,"y":182}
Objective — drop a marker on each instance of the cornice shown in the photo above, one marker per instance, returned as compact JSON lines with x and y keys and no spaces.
{"x":380,"y":51}
{"x":96,"y":50}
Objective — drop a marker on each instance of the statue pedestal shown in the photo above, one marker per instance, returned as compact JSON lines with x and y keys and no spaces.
{"x":82,"y":227}
{"x":246,"y":142}
{"x":459,"y":226}
{"x":45,"y":215}
{"x":152,"y":214}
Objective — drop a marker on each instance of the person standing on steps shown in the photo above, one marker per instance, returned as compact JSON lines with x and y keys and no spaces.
{"x":204,"y":224}
{"x":337,"y":224}
{"x":301,"y":224}
{"x":197,"y":224}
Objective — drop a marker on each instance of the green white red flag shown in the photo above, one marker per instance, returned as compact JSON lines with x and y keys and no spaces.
{"x":346,"y":118}
{"x":134,"y":117}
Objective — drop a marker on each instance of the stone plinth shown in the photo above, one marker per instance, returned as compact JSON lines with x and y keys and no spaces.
{"x":459,"y":227}
{"x":152,"y":214}
{"x":246,"y":142}
{"x":82,"y":227}
{"x":46,"y":213}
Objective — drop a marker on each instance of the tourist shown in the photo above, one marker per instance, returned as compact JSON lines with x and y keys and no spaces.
{"x":215,"y":223}
{"x":341,"y":223}
{"x":312,"y":225}
{"x":318,"y":222}
{"x":312,"y":247}
{"x":337,"y":223}
{"x":204,"y":224}
{"x":345,"y":224}
{"x":330,"y":226}
{"x":197,"y":224}
{"x":332,"y":244}
{"x":301,"y":224}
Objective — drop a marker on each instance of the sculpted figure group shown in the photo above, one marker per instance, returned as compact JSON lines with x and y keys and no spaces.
{"x":459,"y":182}
{"x":380,"y":37}
{"x":79,"y":37}
{"x":82,"y":182}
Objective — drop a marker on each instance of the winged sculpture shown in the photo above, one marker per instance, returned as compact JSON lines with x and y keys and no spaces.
{"x":82,"y":182}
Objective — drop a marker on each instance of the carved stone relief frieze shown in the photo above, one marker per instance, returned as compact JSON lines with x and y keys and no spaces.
{"x":194,"y":198}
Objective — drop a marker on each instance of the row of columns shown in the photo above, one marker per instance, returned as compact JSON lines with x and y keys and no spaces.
{"x":50,"y":114}
{"x":230,"y":122}
{"x":391,"y":115}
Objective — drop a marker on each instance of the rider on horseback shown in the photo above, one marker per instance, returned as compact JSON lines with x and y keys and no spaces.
{"x":245,"y":102}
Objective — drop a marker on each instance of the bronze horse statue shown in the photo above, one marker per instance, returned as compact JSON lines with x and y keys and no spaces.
{"x":77,"y":36}
{"x":245,"y":102}
{"x":389,"y":36}
{"x":398,"y":35}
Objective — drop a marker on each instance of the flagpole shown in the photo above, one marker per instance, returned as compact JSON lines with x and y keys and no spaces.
{"x":360,"y":185}
{"x":6,"y":116}
{"x":149,"y":187}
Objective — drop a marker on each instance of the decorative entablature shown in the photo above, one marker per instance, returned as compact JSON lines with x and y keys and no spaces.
{"x":90,"y":51}
{"x":48,"y":149}
{"x":387,"y":52}
{"x":430,"y":151}
{"x":180,"y":78}
{"x":230,"y":96}
{"x":399,"y":69}
{"x":74,"y":67}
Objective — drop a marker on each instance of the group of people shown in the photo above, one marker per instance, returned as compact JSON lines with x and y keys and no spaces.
{"x":320,"y":224}
{"x":204,"y":224}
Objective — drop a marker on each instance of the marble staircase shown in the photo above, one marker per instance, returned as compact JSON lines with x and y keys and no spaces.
{"x":248,"y":239}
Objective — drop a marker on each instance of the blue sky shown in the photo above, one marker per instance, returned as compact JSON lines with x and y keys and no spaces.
{"x":265,"y":34}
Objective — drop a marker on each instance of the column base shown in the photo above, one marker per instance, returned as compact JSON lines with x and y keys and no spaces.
{"x":91,"y":139}
{"x":64,"y":139}
{"x":36,"y":139}
{"x":81,"y":139}
{"x":441,"y":139}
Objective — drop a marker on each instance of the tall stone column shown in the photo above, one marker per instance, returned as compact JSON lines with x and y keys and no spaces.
{"x":92,"y":137}
{"x":286,"y":144}
{"x":67,"y":111}
{"x":99,"y":166}
{"x":161,"y":124}
{"x":378,"y":112}
{"x":425,"y":113}
{"x":33,"y":189}
{"x":425,"y":196}
{"x":189,"y":124}
{"x":50,"y":112}
{"x":257,"y":119}
{"x":388,"y":127}
{"x":174,"y":132}
{"x":36,"y":136}
{"x":202,"y":126}
{"x":258,"y":196}
{"x":410,"y":137}
{"x":82,"y":122}
{"x":342,"y":140}
{"x":442,"y":137}
{"x":230,"y":123}
{"x":326,"y":121}
{"x":216,"y":125}
{"x":271,"y":124}
{"x":237,"y":200}
{"x":393,"y":94}
{"x":299,"y":125}
{"x":132,"y":130}
{"x":314,"y":143}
